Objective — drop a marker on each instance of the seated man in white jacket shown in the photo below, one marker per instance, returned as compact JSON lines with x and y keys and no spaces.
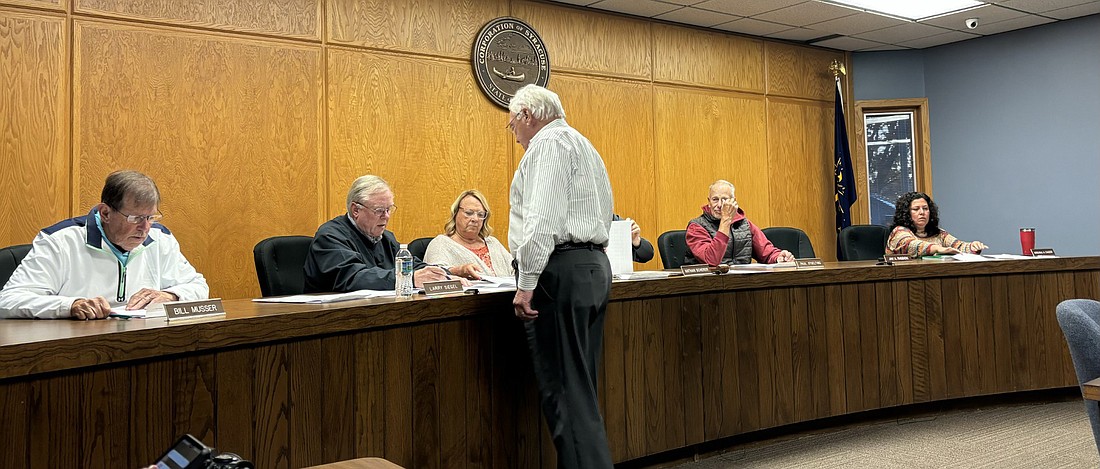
{"x":116,"y":255}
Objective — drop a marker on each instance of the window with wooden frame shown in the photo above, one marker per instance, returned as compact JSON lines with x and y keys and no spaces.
{"x":892,"y":147}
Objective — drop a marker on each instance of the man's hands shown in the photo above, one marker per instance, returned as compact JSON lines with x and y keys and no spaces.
{"x":785,"y":256}
{"x":635,"y":233}
{"x":148,"y":296}
{"x":522,"y":305}
{"x":99,"y":308}
{"x":729,"y":209}
{"x":90,"y":308}
{"x":433,"y":273}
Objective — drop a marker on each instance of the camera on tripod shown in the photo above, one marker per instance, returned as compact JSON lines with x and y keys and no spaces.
{"x":190,"y":453}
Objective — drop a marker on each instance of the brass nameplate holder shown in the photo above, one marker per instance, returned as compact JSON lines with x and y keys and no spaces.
{"x":695,"y":269}
{"x":187,"y":310}
{"x":442,"y":286}
{"x":810,"y":263}
{"x":895,"y":258}
{"x":1043,"y":252}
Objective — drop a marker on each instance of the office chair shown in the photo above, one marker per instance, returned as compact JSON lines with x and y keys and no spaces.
{"x":419,"y":246}
{"x":1080,"y":322}
{"x":673,"y":247}
{"x":10,"y":257}
{"x":280,"y":264}
{"x":862,"y":242}
{"x":790,"y":239}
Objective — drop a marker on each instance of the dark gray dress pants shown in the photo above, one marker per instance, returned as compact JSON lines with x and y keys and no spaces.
{"x":566,"y":342}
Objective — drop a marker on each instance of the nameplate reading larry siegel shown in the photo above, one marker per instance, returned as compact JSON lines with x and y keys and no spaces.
{"x":442,"y":286}
{"x":183,"y":310}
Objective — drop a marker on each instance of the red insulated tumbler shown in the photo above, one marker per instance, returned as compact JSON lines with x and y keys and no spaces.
{"x":1027,"y":240}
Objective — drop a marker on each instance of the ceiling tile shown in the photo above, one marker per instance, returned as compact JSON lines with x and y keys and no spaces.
{"x":883,"y":48}
{"x":986,"y":15}
{"x":805,"y":14}
{"x":647,"y":8}
{"x":939,"y":39}
{"x":1041,"y":6}
{"x":858,"y":23}
{"x":1015,"y":23}
{"x":683,"y":2}
{"x":753,"y":26}
{"x":697,"y":17}
{"x":1075,"y":11}
{"x":746,"y":7}
{"x":799,"y":34}
{"x":848,"y":43}
{"x":901,"y":33}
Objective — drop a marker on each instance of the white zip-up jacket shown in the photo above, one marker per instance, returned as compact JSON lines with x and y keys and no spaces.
{"x":71,"y":260}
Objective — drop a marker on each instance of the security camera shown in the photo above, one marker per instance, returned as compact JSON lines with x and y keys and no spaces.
{"x":971,"y":23}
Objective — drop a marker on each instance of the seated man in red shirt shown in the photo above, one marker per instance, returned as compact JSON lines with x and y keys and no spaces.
{"x":722,"y":234}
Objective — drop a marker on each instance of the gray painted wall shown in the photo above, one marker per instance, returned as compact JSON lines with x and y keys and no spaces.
{"x":1015,"y":131}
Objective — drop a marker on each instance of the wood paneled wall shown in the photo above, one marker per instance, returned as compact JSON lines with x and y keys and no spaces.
{"x":254,"y":116}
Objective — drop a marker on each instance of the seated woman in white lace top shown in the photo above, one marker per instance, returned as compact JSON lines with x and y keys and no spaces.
{"x":467,"y":248}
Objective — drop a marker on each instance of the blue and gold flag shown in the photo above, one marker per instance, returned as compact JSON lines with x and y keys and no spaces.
{"x":842,"y":167}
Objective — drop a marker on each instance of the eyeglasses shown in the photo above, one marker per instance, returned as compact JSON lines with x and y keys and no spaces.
{"x":511,"y":122}
{"x":135,"y":219}
{"x":475,"y":214}
{"x":380,"y":210}
{"x":715,"y":200}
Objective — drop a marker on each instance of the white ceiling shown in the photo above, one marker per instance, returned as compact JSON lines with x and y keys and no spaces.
{"x":827,"y":25}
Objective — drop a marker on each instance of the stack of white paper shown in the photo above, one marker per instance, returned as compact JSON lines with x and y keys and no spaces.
{"x":326,"y":298}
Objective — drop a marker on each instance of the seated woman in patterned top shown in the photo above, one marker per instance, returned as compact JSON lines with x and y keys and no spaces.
{"x":916,"y":230}
{"x":466,"y":247}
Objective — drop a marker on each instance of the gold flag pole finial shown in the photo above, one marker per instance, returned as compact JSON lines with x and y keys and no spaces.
{"x":838,"y":69}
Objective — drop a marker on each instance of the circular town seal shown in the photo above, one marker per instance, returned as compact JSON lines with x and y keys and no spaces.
{"x":509,"y":54}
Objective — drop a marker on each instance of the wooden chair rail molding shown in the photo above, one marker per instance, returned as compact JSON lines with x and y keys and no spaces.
{"x":446,"y":382}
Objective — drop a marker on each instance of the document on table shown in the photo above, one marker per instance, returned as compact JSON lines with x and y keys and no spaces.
{"x":327,"y":298}
{"x":759,"y":266}
{"x":645,"y":275}
{"x":489,"y":281}
{"x":620,"y":251}
{"x":962,"y":256}
{"x":152,"y":311}
{"x":1008,"y":256}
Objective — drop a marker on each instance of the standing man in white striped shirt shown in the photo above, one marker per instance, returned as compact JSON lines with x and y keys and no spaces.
{"x":560,"y":217}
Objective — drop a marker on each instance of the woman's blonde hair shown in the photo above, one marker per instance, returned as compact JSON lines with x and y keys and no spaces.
{"x":486,"y":230}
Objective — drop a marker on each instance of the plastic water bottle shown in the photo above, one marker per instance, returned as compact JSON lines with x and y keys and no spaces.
{"x":403,"y":268}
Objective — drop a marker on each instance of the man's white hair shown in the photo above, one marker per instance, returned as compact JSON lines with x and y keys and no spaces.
{"x":366,"y":186}
{"x":721,"y":182}
{"x":543,"y":104}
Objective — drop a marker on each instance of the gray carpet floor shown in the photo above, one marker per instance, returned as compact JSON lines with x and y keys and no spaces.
{"x":1055,"y":435}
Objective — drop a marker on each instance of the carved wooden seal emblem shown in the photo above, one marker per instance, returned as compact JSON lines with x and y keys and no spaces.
{"x":509,"y":54}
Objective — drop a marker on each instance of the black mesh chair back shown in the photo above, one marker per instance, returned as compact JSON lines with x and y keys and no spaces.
{"x":673,"y":247}
{"x":419,"y":246}
{"x":10,"y":257}
{"x":280,"y":264}
{"x":790,"y":239}
{"x":862,"y":242}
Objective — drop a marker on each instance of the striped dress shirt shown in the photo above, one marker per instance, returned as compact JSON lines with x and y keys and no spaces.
{"x":560,"y":194}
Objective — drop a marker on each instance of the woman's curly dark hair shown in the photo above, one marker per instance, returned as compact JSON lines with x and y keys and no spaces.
{"x":902,"y":218}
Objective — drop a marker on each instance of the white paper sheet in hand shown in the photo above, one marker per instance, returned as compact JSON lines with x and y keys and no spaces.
{"x":619,"y":249}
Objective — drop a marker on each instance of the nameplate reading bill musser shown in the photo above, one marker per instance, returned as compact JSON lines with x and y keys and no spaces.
{"x":507,"y":55}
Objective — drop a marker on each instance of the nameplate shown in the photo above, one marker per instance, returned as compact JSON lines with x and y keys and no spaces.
{"x":895,"y":258}
{"x":185,"y":310}
{"x":442,"y":286}
{"x":1042,"y":252}
{"x":695,"y":269}
{"x":810,"y":263}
